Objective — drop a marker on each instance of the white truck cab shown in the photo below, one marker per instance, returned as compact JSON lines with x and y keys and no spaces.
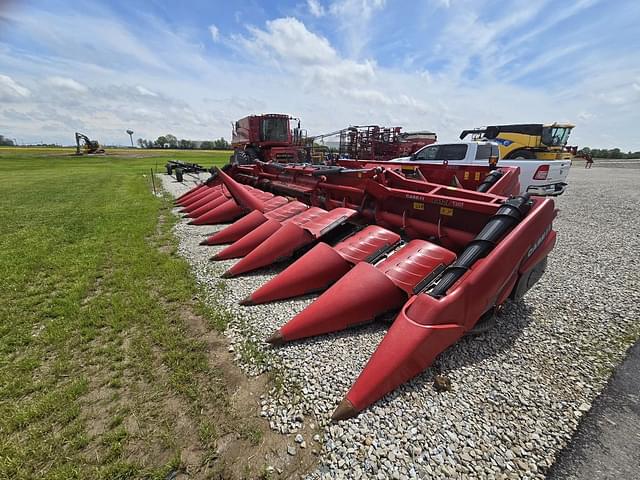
{"x":537,"y":177}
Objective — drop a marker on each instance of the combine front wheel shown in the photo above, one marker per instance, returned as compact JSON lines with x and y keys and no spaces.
{"x":522,"y":155}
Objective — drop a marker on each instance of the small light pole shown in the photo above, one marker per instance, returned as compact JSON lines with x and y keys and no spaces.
{"x":130,"y":132}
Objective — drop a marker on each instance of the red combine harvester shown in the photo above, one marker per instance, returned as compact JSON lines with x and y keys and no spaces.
{"x":373,"y":142}
{"x":267,"y":138}
{"x":377,"y":237}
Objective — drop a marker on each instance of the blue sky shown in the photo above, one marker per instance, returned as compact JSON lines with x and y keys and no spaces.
{"x":190,"y":68}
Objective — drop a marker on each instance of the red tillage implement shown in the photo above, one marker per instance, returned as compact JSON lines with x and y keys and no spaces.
{"x":381,"y":237}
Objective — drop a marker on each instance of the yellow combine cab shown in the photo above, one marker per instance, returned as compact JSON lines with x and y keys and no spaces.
{"x":527,"y":141}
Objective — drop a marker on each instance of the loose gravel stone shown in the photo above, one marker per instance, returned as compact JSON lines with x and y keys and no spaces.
{"x":519,"y":389}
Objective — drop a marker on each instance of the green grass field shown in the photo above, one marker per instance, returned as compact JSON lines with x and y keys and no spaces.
{"x":100,"y":375}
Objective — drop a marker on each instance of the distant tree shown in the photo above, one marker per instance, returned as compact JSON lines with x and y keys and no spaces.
{"x":172,"y":140}
{"x":185,"y":144}
{"x":610,"y":153}
{"x":141,"y":142}
{"x":161,"y":140}
{"x":6,"y":142}
{"x":207,"y":145}
{"x":221,"y":144}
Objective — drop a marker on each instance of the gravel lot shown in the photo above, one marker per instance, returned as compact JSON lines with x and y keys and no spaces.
{"x":519,"y":390}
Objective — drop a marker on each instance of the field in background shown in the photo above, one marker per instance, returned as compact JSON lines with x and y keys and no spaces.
{"x":108,"y":359}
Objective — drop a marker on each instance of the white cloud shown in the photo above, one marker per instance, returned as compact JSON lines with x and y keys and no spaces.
{"x":9,"y":88}
{"x":288,"y":40}
{"x":288,"y":43}
{"x":215,"y":33}
{"x":315,"y":8}
{"x":68,"y":84}
{"x":144,"y":91}
{"x":354,"y":18}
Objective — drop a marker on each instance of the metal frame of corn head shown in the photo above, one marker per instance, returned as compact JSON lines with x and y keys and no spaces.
{"x":443,"y":246}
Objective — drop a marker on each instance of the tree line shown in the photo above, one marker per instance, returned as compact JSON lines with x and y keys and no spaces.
{"x":172,"y":141}
{"x":610,"y":153}
{"x":6,"y":142}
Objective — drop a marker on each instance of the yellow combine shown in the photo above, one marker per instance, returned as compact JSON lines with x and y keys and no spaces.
{"x":527,"y":141}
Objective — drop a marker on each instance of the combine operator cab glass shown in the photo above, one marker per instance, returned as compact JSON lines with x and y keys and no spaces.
{"x":555,"y":136}
{"x":275,"y":130}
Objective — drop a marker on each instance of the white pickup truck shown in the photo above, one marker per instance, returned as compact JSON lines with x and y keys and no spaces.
{"x":537,"y":177}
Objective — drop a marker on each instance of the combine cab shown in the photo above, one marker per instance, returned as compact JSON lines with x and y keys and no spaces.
{"x":267,"y":138}
{"x":443,"y":247}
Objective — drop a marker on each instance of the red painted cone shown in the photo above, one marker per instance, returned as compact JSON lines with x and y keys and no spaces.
{"x":251,"y":240}
{"x":275,"y":219}
{"x":323,"y":265}
{"x":210,"y":197}
{"x":313,"y":272}
{"x":207,"y":207}
{"x":286,"y":240}
{"x":240,"y":194}
{"x":358,"y":297}
{"x":229,"y":210}
{"x":189,"y":192}
{"x":297,"y":232}
{"x":244,"y":225}
{"x":367,"y":291}
{"x":236,"y":230}
{"x":223,"y":213}
{"x":407,"y":349}
{"x":199,"y":195}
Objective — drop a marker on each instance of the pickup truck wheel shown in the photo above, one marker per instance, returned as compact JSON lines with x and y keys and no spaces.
{"x":522,"y":155}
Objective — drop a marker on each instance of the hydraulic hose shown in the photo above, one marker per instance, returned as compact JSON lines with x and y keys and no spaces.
{"x":489,"y":180}
{"x":506,"y":218}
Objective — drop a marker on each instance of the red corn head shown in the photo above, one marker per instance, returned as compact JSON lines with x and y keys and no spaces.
{"x":324,"y":265}
{"x":294,"y":234}
{"x":366,"y":292}
{"x":255,"y":237}
{"x":246,"y":224}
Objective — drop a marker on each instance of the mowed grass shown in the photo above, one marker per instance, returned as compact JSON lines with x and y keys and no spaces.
{"x":99,"y":376}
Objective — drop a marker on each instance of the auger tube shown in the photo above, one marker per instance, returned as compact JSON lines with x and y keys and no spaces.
{"x":505,"y":219}
{"x":489,"y":180}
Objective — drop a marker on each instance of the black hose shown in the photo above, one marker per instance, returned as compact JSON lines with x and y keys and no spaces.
{"x":489,"y":180}
{"x":505,"y":219}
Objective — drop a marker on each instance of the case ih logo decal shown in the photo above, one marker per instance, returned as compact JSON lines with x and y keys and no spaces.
{"x":539,"y":241}
{"x":437,"y":201}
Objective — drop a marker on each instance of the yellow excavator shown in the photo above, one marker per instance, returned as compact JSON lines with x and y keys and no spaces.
{"x":528,"y":140}
{"x":89,"y":147}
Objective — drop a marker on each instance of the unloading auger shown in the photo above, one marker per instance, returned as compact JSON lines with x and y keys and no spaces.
{"x":378,"y":239}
